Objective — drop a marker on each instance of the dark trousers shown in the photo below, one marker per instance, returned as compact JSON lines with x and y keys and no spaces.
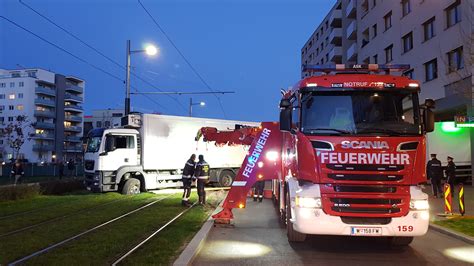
{"x":187,"y":188}
{"x":201,"y":192}
{"x":258,"y":192}
{"x":436,"y":185}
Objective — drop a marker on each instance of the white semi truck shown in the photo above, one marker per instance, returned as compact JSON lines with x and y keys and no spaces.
{"x":149,"y":151}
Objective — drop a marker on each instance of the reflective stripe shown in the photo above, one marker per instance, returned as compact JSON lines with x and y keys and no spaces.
{"x":186,"y":176}
{"x":203,"y":177}
{"x":239,"y":183}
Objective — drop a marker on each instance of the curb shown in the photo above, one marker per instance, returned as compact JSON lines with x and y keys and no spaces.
{"x":192,"y":249}
{"x":451,"y":233}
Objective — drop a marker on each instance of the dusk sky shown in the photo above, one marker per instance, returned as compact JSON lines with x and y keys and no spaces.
{"x":250,"y":47}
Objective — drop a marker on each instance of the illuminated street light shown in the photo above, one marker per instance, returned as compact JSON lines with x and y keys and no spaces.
{"x":149,"y":50}
{"x":191,"y":104}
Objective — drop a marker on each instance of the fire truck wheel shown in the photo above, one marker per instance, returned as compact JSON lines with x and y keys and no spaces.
{"x":401,"y":241}
{"x":226,"y":178}
{"x":292,"y":234}
{"x":131,"y":187}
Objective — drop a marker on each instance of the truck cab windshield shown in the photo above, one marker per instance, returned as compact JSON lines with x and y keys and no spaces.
{"x":360,"y":113}
{"x":93,"y":144}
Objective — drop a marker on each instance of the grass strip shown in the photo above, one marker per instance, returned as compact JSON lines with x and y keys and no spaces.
{"x":24,"y":243}
{"x":464,"y":225}
{"x":73,"y":205}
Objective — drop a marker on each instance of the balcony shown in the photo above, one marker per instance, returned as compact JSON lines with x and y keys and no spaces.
{"x":72,"y":149}
{"x":73,"y":139}
{"x":48,"y":114}
{"x":74,"y":98}
{"x":43,"y":136}
{"x":45,"y":91}
{"x":351,"y":9}
{"x":74,"y":88}
{"x":335,"y":19}
{"x":43,"y":148}
{"x":352,"y":52}
{"x":45,"y":102}
{"x":335,"y":37}
{"x":335,"y":55}
{"x":73,"y":118}
{"x":73,"y":129}
{"x":351,"y":32}
{"x":73,"y":108}
{"x":44,"y":125}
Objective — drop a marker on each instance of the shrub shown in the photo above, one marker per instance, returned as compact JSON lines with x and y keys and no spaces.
{"x":58,"y":187}
{"x":26,"y":191}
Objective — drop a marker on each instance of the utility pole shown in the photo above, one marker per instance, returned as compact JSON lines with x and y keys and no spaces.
{"x":127,"y":81}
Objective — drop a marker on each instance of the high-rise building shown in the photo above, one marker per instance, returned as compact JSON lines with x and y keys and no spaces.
{"x":52,"y":105}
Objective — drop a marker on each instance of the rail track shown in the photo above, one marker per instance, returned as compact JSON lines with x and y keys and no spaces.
{"x":65,"y":241}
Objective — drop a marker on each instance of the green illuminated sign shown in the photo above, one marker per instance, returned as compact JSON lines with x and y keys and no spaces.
{"x":449,"y":127}
{"x":464,"y":121}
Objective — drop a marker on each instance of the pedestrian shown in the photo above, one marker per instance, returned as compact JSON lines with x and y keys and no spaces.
{"x":202,"y":175}
{"x":70,"y":167}
{"x":188,"y":176}
{"x":17,"y":172}
{"x":434,"y":170}
{"x":258,"y":192}
{"x":60,"y":169}
{"x":451,"y":174}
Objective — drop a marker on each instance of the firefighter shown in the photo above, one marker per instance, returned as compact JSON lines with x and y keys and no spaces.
{"x":202,"y":175}
{"x":434,"y":171}
{"x":451,"y":174}
{"x":188,"y":176}
{"x":258,"y":192}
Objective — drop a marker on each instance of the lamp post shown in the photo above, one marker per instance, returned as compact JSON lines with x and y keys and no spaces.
{"x":149,"y":50}
{"x":191,"y":104}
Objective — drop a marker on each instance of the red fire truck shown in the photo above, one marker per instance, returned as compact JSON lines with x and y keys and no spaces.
{"x":346,"y":158}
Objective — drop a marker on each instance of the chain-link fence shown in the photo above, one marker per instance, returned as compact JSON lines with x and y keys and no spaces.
{"x":41,"y":172}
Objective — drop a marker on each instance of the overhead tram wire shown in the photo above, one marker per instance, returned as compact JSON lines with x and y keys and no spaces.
{"x":94,"y":49}
{"x":182,"y":55}
{"x":76,"y":57}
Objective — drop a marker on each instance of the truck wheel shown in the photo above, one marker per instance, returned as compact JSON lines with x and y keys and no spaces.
{"x":131,"y":187}
{"x":292,"y":234}
{"x":401,"y":241}
{"x":226,"y":178}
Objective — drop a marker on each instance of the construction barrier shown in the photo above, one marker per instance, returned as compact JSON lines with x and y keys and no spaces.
{"x":462,"y":210}
{"x":447,"y":199}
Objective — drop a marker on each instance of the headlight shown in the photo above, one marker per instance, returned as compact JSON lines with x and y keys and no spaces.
{"x":419,"y":205}
{"x":305,"y":202}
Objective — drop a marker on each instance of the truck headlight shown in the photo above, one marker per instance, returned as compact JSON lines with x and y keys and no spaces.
{"x":419,"y":205}
{"x":306,"y":202}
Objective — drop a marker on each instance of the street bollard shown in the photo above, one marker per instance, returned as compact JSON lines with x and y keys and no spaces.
{"x":447,"y":199}
{"x":462,"y":210}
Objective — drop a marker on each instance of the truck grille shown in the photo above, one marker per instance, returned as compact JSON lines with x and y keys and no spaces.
{"x":365,"y":167}
{"x":366,"y":210}
{"x":366,"y":189}
{"x":367,"y":177}
{"x":365,"y":201}
{"x":366,"y":220}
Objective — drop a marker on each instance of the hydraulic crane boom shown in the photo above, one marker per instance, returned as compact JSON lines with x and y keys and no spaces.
{"x":262,"y":162}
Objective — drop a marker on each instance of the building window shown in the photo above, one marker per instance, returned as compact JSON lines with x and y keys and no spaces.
{"x":455,"y":59}
{"x":453,"y":14}
{"x":10,"y":119}
{"x":388,"y":20}
{"x":16,"y":74}
{"x":2,"y":107}
{"x":376,"y":59}
{"x":11,"y":96}
{"x":2,"y":119}
{"x":107,"y":124}
{"x":327,"y":25}
{"x":20,"y":107}
{"x":317,"y":36}
{"x":374,"y":3}
{"x":98,"y":124}
{"x":31,"y":74}
{"x":12,"y":84}
{"x":327,"y":57}
{"x":365,"y":7}
{"x":322,"y":46}
{"x":431,"y":70}
{"x":406,"y":7}
{"x":3,"y":85}
{"x":374,"y":31}
{"x":365,"y":37}
{"x":366,"y":61}
{"x":317,"y":51}
{"x":11,"y":107}
{"x":429,"y":29}
{"x":2,"y":96}
{"x":21,"y":84}
{"x":407,"y":41}
{"x":409,"y":73}
{"x":388,"y":53}
{"x":20,"y":95}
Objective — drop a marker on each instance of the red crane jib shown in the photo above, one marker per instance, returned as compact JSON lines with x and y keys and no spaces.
{"x":262,"y":162}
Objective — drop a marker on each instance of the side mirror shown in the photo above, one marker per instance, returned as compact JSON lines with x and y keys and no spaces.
{"x":285,"y":119}
{"x":428,"y":119}
{"x":285,"y":103}
{"x":429,"y":103}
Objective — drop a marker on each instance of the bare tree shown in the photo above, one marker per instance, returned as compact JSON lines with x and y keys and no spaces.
{"x":16,"y":133}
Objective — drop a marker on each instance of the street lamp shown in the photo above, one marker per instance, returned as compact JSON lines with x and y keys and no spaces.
{"x":191,"y":104}
{"x":150,"y":50}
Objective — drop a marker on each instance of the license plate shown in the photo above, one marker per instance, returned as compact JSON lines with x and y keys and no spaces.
{"x":366,"y":231}
{"x":88,"y":188}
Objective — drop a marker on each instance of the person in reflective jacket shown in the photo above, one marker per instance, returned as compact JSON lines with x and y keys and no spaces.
{"x":451,"y":174}
{"x":188,"y":173}
{"x":258,"y":192}
{"x":202,"y":175}
{"x":434,"y":170}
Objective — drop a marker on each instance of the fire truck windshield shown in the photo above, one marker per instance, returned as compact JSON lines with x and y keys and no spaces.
{"x":357,"y":112}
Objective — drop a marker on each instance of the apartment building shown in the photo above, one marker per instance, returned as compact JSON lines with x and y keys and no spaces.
{"x":104,"y":118}
{"x":52,"y":104}
{"x":433,"y":36}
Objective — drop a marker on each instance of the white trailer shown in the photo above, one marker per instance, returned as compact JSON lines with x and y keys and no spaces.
{"x":150,"y":150}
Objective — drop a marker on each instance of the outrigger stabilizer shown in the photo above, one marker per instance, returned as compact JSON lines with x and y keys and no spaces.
{"x":262,"y":162}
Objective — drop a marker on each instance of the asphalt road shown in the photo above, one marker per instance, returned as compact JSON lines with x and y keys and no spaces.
{"x":259,"y":239}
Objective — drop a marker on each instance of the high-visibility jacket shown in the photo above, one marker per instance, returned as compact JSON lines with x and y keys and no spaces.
{"x":189,"y":168}
{"x":202,"y":170}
